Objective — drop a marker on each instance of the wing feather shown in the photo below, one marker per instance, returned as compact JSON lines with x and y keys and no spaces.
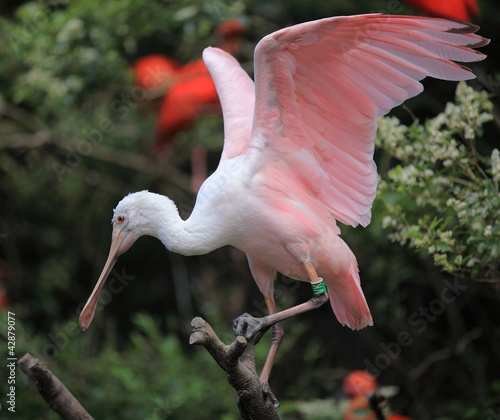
{"x":321,"y":85}
{"x":238,"y":110}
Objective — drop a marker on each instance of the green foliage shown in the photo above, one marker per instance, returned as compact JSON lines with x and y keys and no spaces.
{"x":482,"y":409}
{"x":65,"y":52}
{"x":327,"y":409}
{"x":152,"y":377}
{"x":443,"y":197}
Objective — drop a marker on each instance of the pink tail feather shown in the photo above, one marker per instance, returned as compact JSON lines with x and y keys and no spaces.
{"x":348,"y":301}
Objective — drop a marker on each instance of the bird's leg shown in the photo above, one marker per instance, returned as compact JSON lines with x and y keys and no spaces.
{"x":246,"y":322}
{"x":315,"y":302}
{"x":249,"y":326}
{"x":276,"y":338}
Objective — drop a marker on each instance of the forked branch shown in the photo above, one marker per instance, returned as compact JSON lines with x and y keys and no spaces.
{"x":238,"y":361}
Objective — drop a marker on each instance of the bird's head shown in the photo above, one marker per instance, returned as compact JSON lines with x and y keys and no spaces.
{"x":133,"y":217}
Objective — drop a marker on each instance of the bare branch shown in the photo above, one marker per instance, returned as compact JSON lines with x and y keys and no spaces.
{"x":59,"y":398}
{"x":237,"y":360}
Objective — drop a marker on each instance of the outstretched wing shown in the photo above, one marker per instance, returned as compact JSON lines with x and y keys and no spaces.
{"x":320,"y":87}
{"x":236,"y":92}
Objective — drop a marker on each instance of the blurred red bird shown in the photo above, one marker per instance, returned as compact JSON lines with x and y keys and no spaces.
{"x":359,"y":385}
{"x":451,"y":9}
{"x":155,"y":73}
{"x":359,"y":382}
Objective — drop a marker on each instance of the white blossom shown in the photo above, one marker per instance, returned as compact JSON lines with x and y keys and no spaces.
{"x":439,"y":175}
{"x":495,"y":164}
{"x":73,"y":29}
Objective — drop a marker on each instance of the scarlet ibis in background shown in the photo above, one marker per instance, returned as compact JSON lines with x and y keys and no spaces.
{"x":298,"y":157}
{"x":359,"y":382}
{"x":188,"y":92}
{"x":361,"y":388}
{"x":452,"y":9}
{"x":155,"y":73}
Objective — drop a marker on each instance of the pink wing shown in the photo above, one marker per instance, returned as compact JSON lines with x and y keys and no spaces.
{"x":237,"y":96}
{"x":320,"y":87}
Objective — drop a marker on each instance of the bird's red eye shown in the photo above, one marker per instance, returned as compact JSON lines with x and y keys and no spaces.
{"x":120,"y":219}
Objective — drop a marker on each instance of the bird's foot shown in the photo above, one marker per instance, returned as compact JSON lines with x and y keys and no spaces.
{"x":266,"y":390}
{"x":268,"y":395}
{"x":248,"y":326}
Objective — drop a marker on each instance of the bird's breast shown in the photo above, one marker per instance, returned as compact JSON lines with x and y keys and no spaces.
{"x":281,"y":244}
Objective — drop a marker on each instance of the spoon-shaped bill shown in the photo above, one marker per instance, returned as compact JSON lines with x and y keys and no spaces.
{"x":121,"y":242}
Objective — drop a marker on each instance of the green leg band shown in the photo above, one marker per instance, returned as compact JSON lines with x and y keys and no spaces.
{"x":318,"y":287}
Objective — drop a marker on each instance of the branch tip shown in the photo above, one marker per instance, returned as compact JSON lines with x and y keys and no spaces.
{"x":197,"y":338}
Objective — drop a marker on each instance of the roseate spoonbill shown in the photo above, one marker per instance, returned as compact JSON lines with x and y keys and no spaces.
{"x":451,"y":9}
{"x":298,"y":156}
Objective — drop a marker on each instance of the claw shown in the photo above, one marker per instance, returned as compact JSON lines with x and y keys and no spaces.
{"x":239,"y":325}
{"x":242,"y":409}
{"x":248,"y":326}
{"x":266,"y":390}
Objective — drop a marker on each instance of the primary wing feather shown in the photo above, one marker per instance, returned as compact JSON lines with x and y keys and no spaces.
{"x":321,"y":85}
{"x":237,"y":109}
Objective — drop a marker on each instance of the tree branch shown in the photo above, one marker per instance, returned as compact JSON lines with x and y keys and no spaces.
{"x":238,"y":361}
{"x":53,"y":390}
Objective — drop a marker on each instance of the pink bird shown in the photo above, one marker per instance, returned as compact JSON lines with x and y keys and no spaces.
{"x":298,"y":157}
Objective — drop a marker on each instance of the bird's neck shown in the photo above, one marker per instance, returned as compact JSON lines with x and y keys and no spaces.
{"x":194,"y":236}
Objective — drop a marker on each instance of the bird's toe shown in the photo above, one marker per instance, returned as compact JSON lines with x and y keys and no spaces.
{"x":240,"y":324}
{"x":266,"y":390}
{"x":248,"y":326}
